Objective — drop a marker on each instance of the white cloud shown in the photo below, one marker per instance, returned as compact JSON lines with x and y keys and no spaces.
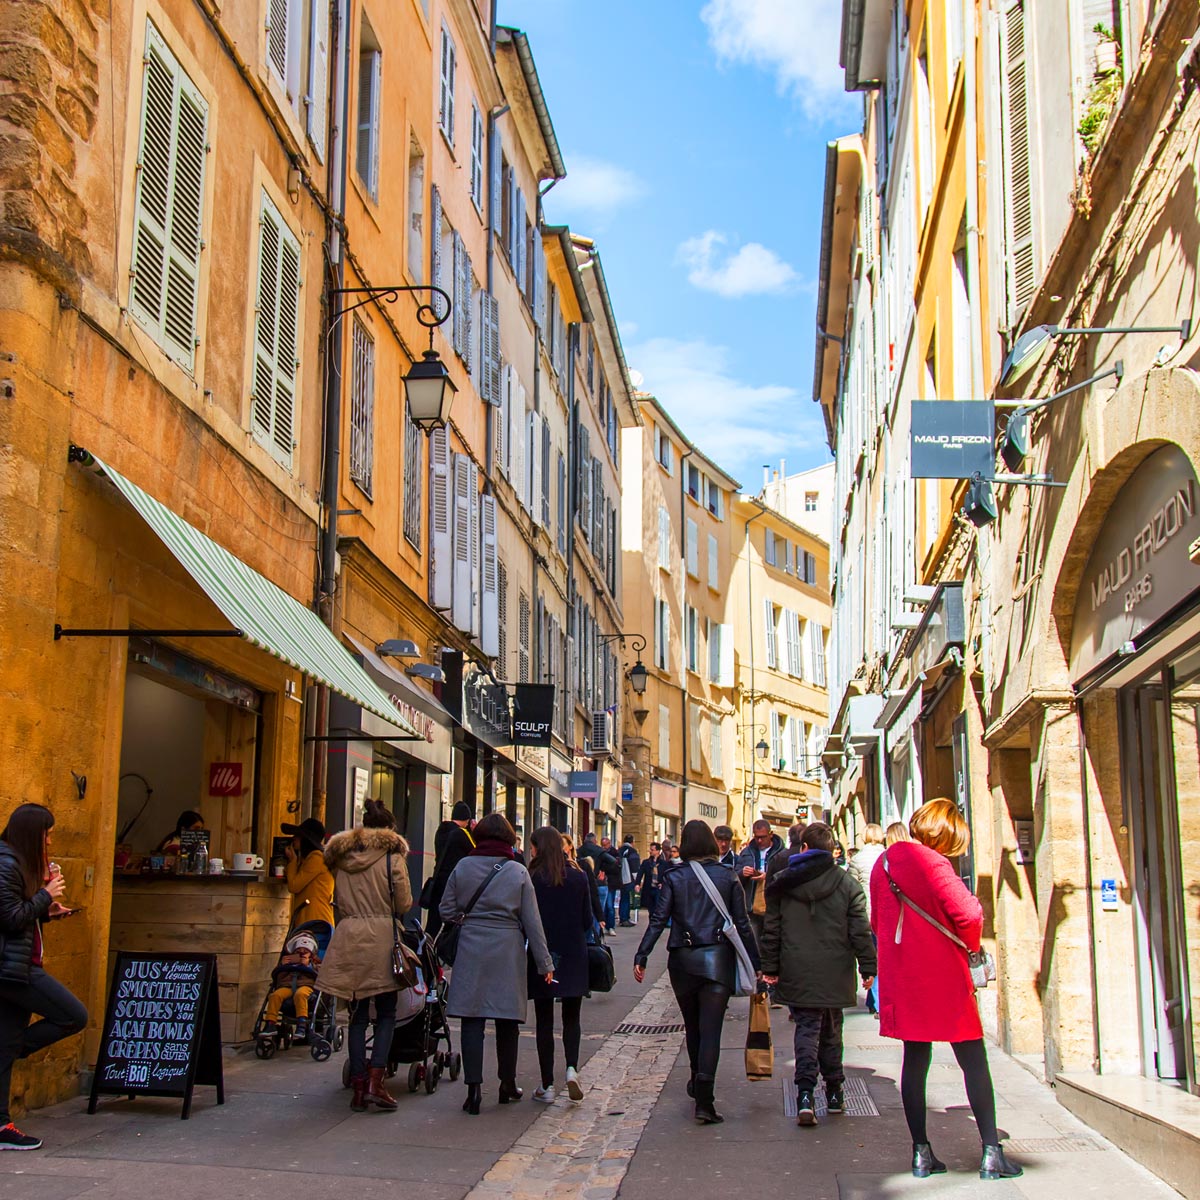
{"x":797,"y":40}
{"x":750,"y":270}
{"x":594,"y":188}
{"x":738,"y":425}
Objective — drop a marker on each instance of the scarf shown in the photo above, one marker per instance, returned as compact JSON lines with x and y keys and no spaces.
{"x":492,"y":848}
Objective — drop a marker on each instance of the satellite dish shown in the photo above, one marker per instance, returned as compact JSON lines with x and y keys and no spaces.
{"x":637,"y":379}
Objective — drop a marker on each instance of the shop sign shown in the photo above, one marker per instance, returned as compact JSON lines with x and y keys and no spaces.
{"x":952,"y":439}
{"x":424,"y":724}
{"x":627,"y":793}
{"x":1140,"y":567}
{"x":705,"y":804}
{"x":485,"y":710}
{"x":664,"y":799}
{"x":584,"y":784}
{"x":225,"y":779}
{"x":535,"y":760}
{"x":532,"y":714}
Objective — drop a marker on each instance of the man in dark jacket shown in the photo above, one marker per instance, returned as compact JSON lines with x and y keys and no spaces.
{"x":631,"y":862}
{"x":451,"y":844}
{"x":816,"y":930}
{"x":728,"y":857}
{"x":649,"y":878}
{"x":608,"y":874}
{"x":752,"y":870}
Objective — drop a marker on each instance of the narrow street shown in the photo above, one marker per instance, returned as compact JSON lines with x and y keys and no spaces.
{"x":633,"y":1135}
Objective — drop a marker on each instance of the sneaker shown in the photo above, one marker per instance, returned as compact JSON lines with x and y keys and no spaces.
{"x":544,"y":1095}
{"x":269,"y":1029}
{"x":835,"y":1097}
{"x":574,"y":1088}
{"x":627,"y":925}
{"x":11,"y":1138}
{"x":806,"y":1113}
{"x":301,"y":1029}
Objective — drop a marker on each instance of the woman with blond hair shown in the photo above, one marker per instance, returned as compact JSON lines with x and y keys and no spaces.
{"x":920,"y":911}
{"x":896,"y":832}
{"x":861,"y":866}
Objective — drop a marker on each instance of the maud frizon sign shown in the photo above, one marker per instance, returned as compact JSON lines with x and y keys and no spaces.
{"x":952,"y":439}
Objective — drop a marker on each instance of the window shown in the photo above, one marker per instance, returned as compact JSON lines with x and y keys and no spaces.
{"x":693,"y":549}
{"x":662,"y":450}
{"x":664,"y":736}
{"x":714,"y":747}
{"x":502,"y":619}
{"x":413,"y":474}
{"x":298,"y":55}
{"x":591,"y":360}
{"x":692,"y":633}
{"x":694,"y":733}
{"x":776,"y":741}
{"x":168,"y":205}
{"x":362,"y":407}
{"x":809,"y":572}
{"x":562,"y":503}
{"x":769,"y":624}
{"x":1018,"y":167}
{"x":366,"y":160}
{"x":797,"y":753}
{"x":810,"y":502}
{"x":477,"y":158}
{"x":817,"y":653}
{"x":276,"y":335}
{"x":960,"y":330}
{"x":791,"y":625}
{"x":446,"y":104}
{"x":524,"y":618}
{"x":714,"y":500}
{"x":662,"y":635}
{"x":416,"y":211}
{"x":664,"y":538}
{"x":714,"y":562}
{"x":924,"y":130}
{"x":693,"y":481}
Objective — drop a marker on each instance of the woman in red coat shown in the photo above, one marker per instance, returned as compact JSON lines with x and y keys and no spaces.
{"x":925,"y":989}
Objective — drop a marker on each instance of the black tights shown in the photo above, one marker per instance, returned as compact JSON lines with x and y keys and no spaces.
{"x":702,"y":1003}
{"x":544,"y":1010}
{"x":507,"y":1033}
{"x":972,"y":1058}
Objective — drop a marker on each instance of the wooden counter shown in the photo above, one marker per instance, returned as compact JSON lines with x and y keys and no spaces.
{"x":242,"y":921}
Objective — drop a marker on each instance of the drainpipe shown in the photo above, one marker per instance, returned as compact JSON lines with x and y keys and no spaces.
{"x":750,"y":621}
{"x":683,"y":578}
{"x":338,"y":166}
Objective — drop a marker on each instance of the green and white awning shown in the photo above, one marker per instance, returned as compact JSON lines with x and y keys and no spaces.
{"x":263,"y":613}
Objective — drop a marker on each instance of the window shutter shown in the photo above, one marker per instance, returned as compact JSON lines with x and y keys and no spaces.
{"x":441,"y":570}
{"x":524,"y":618}
{"x":769,"y":547}
{"x":475,"y":541}
{"x":1018,"y":164}
{"x":317,"y":100}
{"x":725,"y":673}
{"x":694,"y":733}
{"x":539,"y":281}
{"x":496,"y":184}
{"x":476,"y":157}
{"x":461,"y":483}
{"x":715,"y":766}
{"x":535,"y":467}
{"x":502,"y":619}
{"x":769,"y":619}
{"x":518,"y":236}
{"x":562,"y":502}
{"x":597,"y":538}
{"x":693,"y":549}
{"x":664,"y":539}
{"x":712,"y":632}
{"x":272,"y":401}
{"x":459,"y":253}
{"x":446,"y":113}
{"x":277,"y":38}
{"x":714,"y":562}
{"x":435,"y":248}
{"x":168,"y":206}
{"x":501,"y":420}
{"x":545,"y":489}
{"x":516,"y":433}
{"x":797,"y":755}
{"x":776,"y":754}
{"x":489,"y":347}
{"x":787,"y":556}
{"x":664,"y":736}
{"x":818,"y":637}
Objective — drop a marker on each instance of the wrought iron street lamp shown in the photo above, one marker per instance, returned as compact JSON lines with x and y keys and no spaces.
{"x":637,"y":674}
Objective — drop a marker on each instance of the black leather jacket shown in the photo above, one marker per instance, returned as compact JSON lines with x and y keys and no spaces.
{"x":694,"y":918}
{"x":18,"y":918}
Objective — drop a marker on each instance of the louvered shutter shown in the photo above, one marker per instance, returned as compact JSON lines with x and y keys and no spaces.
{"x":516,"y":434}
{"x":562,"y":502}
{"x":539,"y":281}
{"x":468,"y":317}
{"x":476,"y":544}
{"x":725,"y":672}
{"x":534,"y":444}
{"x":769,"y":618}
{"x":523,"y":620}
{"x":518,"y":235}
{"x":459,"y":253}
{"x":435,"y":249}
{"x":787,"y":557}
{"x":317,"y":100}
{"x":769,"y":547}
{"x":441,"y":568}
{"x":597,"y":506}
{"x":489,"y":347}
{"x":462,"y":523}
{"x":502,"y":621}
{"x":545,"y":489}
{"x":1018,"y":163}
{"x":168,"y":203}
{"x":714,"y":562}
{"x":693,"y":549}
{"x":776,"y":748}
{"x":276,"y":334}
{"x":501,"y":419}
{"x":797,"y":753}
{"x":664,"y":538}
{"x":496,"y":183}
{"x":583,"y":467}
{"x":277,"y":38}
{"x":817,"y":632}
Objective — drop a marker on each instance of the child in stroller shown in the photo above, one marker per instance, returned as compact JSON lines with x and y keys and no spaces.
{"x":294,"y":1009}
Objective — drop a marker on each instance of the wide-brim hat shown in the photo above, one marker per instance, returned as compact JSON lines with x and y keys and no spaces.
{"x":309,"y":830}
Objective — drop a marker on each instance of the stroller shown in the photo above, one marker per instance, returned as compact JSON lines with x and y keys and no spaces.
{"x":323,"y":1035}
{"x":421,"y":1028}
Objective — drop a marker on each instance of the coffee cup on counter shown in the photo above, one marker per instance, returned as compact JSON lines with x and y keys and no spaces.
{"x":216,"y":866}
{"x":247,"y":862}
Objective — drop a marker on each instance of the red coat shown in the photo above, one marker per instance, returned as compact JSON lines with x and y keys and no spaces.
{"x":925,"y":988}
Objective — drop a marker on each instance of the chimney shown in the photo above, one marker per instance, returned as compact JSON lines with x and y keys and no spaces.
{"x":783,"y":468}
{"x":766,"y":476}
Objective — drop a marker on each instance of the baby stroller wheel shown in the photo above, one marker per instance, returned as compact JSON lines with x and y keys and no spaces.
{"x":265,"y":1048}
{"x":414,"y":1076}
{"x":455,"y":1067}
{"x":321,"y":1049}
{"x":339,"y":1038}
{"x":432,"y":1074}
{"x":285,"y":1039}
{"x":346,"y":1074}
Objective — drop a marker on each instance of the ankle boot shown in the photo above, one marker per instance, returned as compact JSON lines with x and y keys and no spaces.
{"x":509,"y":1092}
{"x":474,"y":1099}
{"x":691,"y":1086}
{"x":358,"y":1101}
{"x":377,"y":1093}
{"x":925,"y":1162}
{"x":706,"y":1114}
{"x":994,"y":1165}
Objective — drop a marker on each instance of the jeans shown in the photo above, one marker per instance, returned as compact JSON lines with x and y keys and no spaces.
{"x":608,"y":903}
{"x":62,"y":1015}
{"x":507,"y":1033}
{"x":626,"y":901}
{"x":385,"y":1023}
{"x":818,"y":1043}
{"x":571,"y":1034}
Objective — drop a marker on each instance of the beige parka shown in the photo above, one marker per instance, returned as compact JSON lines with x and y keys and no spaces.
{"x":359,"y":959}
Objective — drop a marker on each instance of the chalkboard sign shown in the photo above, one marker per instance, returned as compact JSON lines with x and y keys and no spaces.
{"x":162,"y":1029}
{"x":190,"y":840}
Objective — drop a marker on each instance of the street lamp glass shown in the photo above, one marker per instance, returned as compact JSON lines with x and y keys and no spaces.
{"x":762,"y":750}
{"x":637,"y":677}
{"x":1026,"y":351}
{"x":430,"y":392}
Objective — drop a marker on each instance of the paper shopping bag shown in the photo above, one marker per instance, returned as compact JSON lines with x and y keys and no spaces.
{"x":760,"y":1053}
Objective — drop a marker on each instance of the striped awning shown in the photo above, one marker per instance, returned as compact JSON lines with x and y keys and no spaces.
{"x":264,"y":614}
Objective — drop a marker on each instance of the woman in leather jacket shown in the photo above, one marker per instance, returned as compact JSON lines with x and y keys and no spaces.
{"x":700,"y":960}
{"x":29,"y":895}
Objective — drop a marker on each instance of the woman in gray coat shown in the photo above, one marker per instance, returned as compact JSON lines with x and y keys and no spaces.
{"x":489,"y":978}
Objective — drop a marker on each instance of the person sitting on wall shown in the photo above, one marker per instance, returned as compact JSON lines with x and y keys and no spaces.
{"x":308,"y":878}
{"x":188,"y":819}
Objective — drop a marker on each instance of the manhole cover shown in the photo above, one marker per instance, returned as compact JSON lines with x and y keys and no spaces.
{"x":648,"y":1029}
{"x":858,"y":1100}
{"x":1061,"y":1145}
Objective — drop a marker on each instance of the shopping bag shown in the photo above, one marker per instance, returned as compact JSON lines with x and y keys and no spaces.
{"x":760,"y":1053}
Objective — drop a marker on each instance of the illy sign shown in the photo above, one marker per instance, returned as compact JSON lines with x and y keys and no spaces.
{"x":225,"y":779}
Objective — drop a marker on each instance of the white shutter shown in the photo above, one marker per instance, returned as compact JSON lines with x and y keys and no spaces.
{"x":769,"y":547}
{"x":714,"y":562}
{"x":797,"y":748}
{"x":817,"y":633}
{"x":694,"y":733}
{"x":276,"y":335}
{"x":461,"y":478}
{"x":795,"y":663}
{"x":664,"y":736}
{"x":776,"y":749}
{"x":539,"y":281}
{"x":725,"y":673}
{"x":277,"y":38}
{"x":693,"y":549}
{"x":535,"y":467}
{"x":458,"y":307}
{"x":787,"y":557}
{"x":317,"y":100}
{"x":502,"y":419}
{"x":441,"y":570}
{"x":168,"y":205}
{"x":516,"y":427}
{"x":496,"y":183}
{"x":518,"y":235}
{"x":489,"y":347}
{"x":545,"y":489}
{"x":435,"y":248}
{"x":769,"y":620}
{"x":1018,"y":162}
{"x":476,"y":544}
{"x":446,"y":108}
{"x":664,"y":538}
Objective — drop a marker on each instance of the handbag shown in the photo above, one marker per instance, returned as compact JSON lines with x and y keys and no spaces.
{"x":747,"y":976}
{"x":760,"y":1052}
{"x":980,"y":963}
{"x":406,"y":966}
{"x":602,"y":971}
{"x":446,"y":943}
{"x":425,"y":900}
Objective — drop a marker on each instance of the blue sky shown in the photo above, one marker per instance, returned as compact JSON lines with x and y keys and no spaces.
{"x":694,"y":135}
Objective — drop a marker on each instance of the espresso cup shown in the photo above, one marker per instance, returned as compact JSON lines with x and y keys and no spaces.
{"x":216,"y":866}
{"x":247,"y":862}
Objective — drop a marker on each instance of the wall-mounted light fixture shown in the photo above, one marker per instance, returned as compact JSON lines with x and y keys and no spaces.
{"x":1029,"y":347}
{"x":398,"y":648}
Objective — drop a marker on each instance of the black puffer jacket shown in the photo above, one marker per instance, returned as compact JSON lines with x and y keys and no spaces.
{"x":683,"y":901}
{"x":18,"y":918}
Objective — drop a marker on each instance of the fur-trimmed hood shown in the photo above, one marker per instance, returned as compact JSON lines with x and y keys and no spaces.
{"x":359,"y":849}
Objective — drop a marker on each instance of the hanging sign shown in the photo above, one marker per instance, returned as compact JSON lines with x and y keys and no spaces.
{"x":952,"y":439}
{"x":225,"y":779}
{"x":162,"y":1029}
{"x":532,"y":714}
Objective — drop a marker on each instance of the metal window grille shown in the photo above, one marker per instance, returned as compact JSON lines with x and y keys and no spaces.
{"x":413,"y":477}
{"x":362,"y":408}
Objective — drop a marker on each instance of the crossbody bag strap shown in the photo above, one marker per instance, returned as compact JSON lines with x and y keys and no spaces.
{"x":482,"y":888}
{"x":711,"y":888}
{"x":919,"y":910}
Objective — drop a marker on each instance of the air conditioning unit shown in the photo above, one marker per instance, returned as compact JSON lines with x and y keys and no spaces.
{"x":601,"y":739}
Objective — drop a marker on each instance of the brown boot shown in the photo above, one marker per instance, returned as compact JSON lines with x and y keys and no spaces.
{"x":377,"y":1094}
{"x":358,"y":1101}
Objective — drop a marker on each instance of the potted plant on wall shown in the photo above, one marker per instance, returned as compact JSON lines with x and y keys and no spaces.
{"x":1106,"y":51}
